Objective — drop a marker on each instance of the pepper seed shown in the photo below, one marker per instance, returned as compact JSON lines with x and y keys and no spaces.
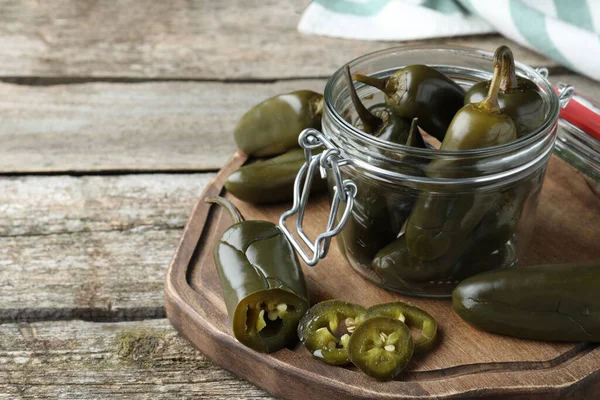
{"x":272,"y":315}
{"x":382,"y":336}
{"x":390,"y":347}
{"x":402,"y":318}
{"x":350,"y":322}
{"x":282,"y":307}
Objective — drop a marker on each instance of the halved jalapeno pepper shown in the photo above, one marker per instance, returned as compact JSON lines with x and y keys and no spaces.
{"x":412,"y":316}
{"x":381,"y":347}
{"x":326,"y":328}
{"x":263,"y":285}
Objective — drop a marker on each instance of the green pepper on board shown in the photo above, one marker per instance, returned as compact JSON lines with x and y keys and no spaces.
{"x":419,"y":91}
{"x":519,"y":97}
{"x":542,"y":302}
{"x":326,"y":328}
{"x":438,"y":222}
{"x":272,"y":127}
{"x":412,"y":316}
{"x":378,"y":121}
{"x":272,"y":180}
{"x":263,"y":286}
{"x":381,"y":347}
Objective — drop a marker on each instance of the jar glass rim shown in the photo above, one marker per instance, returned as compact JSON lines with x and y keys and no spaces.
{"x":523,"y":142}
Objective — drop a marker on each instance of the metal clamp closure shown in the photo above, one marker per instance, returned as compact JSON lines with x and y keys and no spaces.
{"x":344,"y":190}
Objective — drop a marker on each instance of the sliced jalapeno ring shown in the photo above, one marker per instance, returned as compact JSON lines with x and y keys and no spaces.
{"x":326,"y":328}
{"x":381,"y":347}
{"x":412,"y":316}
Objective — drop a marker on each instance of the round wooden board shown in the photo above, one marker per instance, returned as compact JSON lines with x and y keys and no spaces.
{"x":467,"y":363}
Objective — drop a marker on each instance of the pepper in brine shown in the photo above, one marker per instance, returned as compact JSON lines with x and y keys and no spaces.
{"x":263,"y":286}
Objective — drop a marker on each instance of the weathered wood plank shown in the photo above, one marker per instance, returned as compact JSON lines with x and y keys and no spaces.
{"x":93,"y":247}
{"x":180,"y":39}
{"x":143,"y":360}
{"x":146,"y":126}
{"x":35,"y":206}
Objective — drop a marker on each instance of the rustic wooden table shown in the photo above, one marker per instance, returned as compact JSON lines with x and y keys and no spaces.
{"x":113,"y":118}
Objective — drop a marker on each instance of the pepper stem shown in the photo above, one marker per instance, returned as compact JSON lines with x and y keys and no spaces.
{"x":234,"y":213}
{"x":509,"y":77}
{"x":491,"y":101}
{"x":381,"y":84}
{"x":371,"y":123}
{"x":414,"y":137}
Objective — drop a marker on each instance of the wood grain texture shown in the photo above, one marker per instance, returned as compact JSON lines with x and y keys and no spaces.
{"x":83,"y":360}
{"x":126,"y":127}
{"x":225,"y":39}
{"x":137,"y":127}
{"x":467,"y":362}
{"x":92,"y":247}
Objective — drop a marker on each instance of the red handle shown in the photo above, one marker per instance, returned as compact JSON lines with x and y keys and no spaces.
{"x":582,"y":117}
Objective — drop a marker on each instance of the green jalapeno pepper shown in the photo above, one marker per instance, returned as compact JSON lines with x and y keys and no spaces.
{"x":519,"y":97}
{"x":438,"y":223}
{"x":395,"y":265}
{"x":412,"y":316}
{"x":263,"y":286}
{"x":378,"y":120}
{"x":326,"y":328}
{"x":419,"y":91}
{"x":272,"y":127}
{"x":272,"y":180}
{"x":381,"y":347}
{"x":543,"y":302}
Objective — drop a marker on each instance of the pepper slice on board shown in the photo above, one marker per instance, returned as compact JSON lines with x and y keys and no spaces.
{"x":326,"y":328}
{"x":381,"y":347}
{"x":412,"y":316}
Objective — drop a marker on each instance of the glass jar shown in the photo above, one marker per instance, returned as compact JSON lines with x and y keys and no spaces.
{"x":410,"y":231}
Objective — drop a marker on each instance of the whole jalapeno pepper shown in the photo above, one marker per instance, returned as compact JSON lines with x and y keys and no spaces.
{"x":326,"y":328}
{"x":378,"y":121}
{"x":263,"y":286}
{"x":381,"y":347}
{"x":438,"y":223}
{"x":270,"y":181}
{"x":272,"y":127}
{"x":419,"y":91}
{"x":519,"y":97}
{"x":412,"y":316}
{"x":541,"y":302}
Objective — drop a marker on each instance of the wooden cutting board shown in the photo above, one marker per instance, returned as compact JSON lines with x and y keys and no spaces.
{"x":468,"y":363}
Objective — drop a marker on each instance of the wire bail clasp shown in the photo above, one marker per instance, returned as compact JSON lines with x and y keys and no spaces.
{"x":344,"y":190}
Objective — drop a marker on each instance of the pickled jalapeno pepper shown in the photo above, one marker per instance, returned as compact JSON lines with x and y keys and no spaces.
{"x":438,"y":223}
{"x":419,"y":91}
{"x":378,"y":121}
{"x":326,"y":328}
{"x":543,"y":302}
{"x":272,"y":127}
{"x":412,"y":316}
{"x":263,"y":286}
{"x":518,"y":96}
{"x":272,"y":180}
{"x":381,"y":347}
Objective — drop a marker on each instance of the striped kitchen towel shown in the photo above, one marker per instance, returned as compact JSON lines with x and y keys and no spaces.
{"x":567,"y":31}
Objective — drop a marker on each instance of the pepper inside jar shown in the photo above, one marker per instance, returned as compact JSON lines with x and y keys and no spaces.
{"x":425,"y":219}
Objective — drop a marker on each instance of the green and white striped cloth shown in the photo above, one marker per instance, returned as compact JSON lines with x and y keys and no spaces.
{"x":567,"y":31}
